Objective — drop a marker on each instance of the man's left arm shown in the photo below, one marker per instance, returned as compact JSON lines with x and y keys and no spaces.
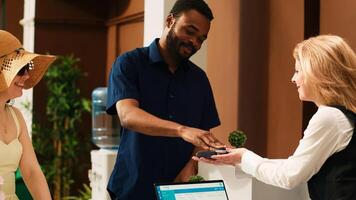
{"x":190,"y":169}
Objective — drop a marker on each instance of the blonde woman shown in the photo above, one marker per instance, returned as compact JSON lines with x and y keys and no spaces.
{"x":19,"y":70}
{"x":325,"y":73}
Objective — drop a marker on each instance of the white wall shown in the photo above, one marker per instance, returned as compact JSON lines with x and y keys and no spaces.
{"x":28,"y":23}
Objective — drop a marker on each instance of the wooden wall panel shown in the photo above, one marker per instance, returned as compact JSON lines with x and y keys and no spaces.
{"x":132,"y":37}
{"x":85,"y":11}
{"x":133,"y":7}
{"x":284,"y":108}
{"x":252,"y":110}
{"x":73,"y":27}
{"x":112,"y":50}
{"x":222,"y":63}
{"x":125,"y":29}
{"x":339,"y":18}
{"x":13,"y":15}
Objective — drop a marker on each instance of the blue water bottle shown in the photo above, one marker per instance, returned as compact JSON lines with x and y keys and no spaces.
{"x":105,"y":128}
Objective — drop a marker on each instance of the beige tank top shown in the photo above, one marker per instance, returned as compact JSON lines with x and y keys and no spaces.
{"x":10,"y":155}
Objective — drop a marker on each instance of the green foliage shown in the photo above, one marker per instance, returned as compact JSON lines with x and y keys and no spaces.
{"x":57,"y":141}
{"x":84,"y":194}
{"x":27,"y":105}
{"x":196,"y":178}
{"x":237,"y":138}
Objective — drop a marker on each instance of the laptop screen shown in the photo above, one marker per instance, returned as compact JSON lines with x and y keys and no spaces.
{"x":207,"y":190}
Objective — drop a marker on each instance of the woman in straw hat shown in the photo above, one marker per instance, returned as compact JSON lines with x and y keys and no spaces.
{"x":325,"y":74}
{"x":19,"y":70}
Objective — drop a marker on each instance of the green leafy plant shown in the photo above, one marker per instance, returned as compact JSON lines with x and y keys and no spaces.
{"x":57,"y":140}
{"x":84,"y":194}
{"x":237,"y":138}
{"x":195,"y":178}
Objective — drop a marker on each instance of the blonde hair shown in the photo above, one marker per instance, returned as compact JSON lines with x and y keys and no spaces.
{"x":328,"y":65}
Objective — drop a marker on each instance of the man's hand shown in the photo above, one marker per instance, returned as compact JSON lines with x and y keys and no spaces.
{"x":199,"y":138}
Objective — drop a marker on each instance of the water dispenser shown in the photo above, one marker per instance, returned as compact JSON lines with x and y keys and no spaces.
{"x":105,"y":128}
{"x":106,"y":135}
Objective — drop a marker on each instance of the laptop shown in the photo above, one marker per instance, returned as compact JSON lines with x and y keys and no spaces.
{"x":205,"y":190}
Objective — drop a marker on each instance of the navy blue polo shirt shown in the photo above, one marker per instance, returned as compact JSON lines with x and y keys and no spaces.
{"x":184,"y":97}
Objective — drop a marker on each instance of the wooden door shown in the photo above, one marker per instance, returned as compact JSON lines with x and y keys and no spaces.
{"x":125,"y":29}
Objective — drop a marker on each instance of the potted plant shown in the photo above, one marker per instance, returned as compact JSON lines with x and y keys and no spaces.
{"x":195,"y":178}
{"x":237,"y":138}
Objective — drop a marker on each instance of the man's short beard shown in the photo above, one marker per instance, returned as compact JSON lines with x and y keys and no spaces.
{"x":173,"y":46}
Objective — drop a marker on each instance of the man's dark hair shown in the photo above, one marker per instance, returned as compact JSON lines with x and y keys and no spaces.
{"x":185,"y":5}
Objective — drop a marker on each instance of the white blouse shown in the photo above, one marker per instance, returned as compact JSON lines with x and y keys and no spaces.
{"x":328,"y":131}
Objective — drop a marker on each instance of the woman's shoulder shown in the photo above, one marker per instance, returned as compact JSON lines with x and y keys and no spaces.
{"x":328,"y":121}
{"x":15,"y":109}
{"x":17,"y":113}
{"x":329,"y":115}
{"x":328,"y":109}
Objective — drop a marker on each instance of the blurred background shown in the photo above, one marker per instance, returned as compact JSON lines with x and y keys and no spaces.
{"x":247,"y":57}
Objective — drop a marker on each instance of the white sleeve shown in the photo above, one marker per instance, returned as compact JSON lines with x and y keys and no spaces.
{"x":328,"y":131}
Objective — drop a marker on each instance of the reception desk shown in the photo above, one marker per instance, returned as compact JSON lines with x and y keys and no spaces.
{"x":241,"y":186}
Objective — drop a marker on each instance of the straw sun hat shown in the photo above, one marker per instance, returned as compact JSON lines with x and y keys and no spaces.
{"x":13,"y":57}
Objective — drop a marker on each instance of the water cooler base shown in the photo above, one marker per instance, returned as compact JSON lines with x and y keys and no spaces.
{"x":102,"y":164}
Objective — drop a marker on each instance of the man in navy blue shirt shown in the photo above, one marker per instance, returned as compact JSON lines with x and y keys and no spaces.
{"x":165,"y":105}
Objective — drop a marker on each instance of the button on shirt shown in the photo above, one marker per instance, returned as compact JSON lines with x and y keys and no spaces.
{"x":184,"y":97}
